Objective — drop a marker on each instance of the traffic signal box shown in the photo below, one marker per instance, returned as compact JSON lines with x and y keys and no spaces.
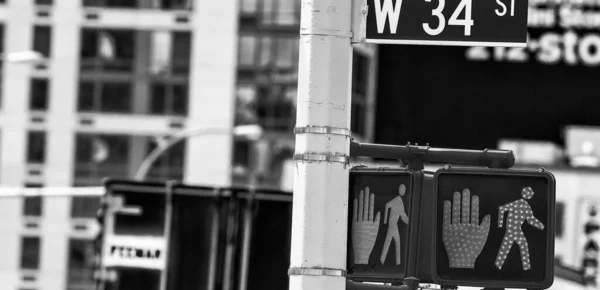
{"x":170,"y":236}
{"x":134,"y":238}
{"x":381,"y":203}
{"x":463,"y":227}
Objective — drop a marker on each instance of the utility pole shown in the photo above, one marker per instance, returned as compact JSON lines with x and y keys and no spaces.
{"x":321,"y":173}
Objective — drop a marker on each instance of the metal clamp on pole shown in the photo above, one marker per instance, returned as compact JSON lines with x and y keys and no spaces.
{"x":415,"y":155}
{"x":410,"y":283}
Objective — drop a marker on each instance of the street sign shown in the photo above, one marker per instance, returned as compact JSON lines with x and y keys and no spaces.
{"x":493,"y":228}
{"x":448,"y":22}
{"x":135,"y":225}
{"x":135,"y":252}
{"x":380,"y":220}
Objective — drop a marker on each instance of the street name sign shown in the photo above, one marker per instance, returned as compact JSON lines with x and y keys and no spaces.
{"x":493,"y":228}
{"x":447,"y":22}
{"x":379,"y":224}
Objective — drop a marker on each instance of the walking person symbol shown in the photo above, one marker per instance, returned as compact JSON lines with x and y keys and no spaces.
{"x":396,"y":212}
{"x":519,"y":211}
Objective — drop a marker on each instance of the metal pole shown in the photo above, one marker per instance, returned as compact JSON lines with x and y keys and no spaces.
{"x":411,"y":153}
{"x":321,"y":175}
{"x":164,"y":275}
{"x":249,"y":131}
{"x":256,"y":158}
{"x":163,"y":147}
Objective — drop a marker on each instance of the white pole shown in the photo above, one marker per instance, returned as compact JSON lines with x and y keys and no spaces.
{"x":319,"y":226}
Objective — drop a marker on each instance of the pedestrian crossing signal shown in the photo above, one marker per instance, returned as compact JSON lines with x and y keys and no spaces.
{"x":492,"y":228}
{"x":380,"y":223}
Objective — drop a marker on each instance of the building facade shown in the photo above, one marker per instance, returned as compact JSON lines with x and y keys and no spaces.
{"x":116,"y":75}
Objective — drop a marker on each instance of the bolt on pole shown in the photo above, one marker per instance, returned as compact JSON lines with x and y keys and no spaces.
{"x":321,"y":175}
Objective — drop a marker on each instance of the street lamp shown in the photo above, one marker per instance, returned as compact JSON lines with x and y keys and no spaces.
{"x":252,"y":132}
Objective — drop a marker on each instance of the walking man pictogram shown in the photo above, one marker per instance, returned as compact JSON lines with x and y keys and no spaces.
{"x":519,"y":211}
{"x":396,"y":212}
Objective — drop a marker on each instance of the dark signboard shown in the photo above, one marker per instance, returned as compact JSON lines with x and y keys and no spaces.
{"x":379,"y":223}
{"x":448,"y":22}
{"x":494,"y":228}
{"x":522,"y":93}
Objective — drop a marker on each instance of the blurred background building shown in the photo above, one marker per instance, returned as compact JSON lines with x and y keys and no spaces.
{"x":116,"y":75}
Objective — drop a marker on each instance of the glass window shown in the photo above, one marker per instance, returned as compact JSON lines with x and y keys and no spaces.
{"x":169,"y":99}
{"x":101,"y":156}
{"x":266,"y":51}
{"x":115,"y":97}
{"x":32,"y":205}
{"x":247,"y":52}
{"x":30,"y":253}
{"x":38,"y":94}
{"x":111,"y":3}
{"x":182,"y":48}
{"x":43,"y":2}
{"x":86,"y":101}
{"x":98,"y":96}
{"x":177,"y":4}
{"x":158,"y":99}
{"x":241,"y":153}
{"x":246,"y":105}
{"x":81,"y":265}
{"x":85,"y":207}
{"x":36,"y":147}
{"x":281,"y":12}
{"x":42,"y":40}
{"x":287,"y":52}
{"x":179,"y":103}
{"x":170,"y":165}
{"x":107,"y":50}
{"x":248,"y":6}
{"x":287,"y":12}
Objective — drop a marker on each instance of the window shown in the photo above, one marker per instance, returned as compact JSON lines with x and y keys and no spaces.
{"x":273,"y":105}
{"x":81,"y":265}
{"x":169,"y":99}
{"x":110,"y":3}
{"x":38,"y":94}
{"x":107,"y":50}
{"x":158,"y":4}
{"x":170,"y":165}
{"x":36,"y":147}
{"x":42,"y":40}
{"x":276,"y":107}
{"x":43,"y":2}
{"x":277,"y":12}
{"x":115,"y":97}
{"x":30,"y":253}
{"x":85,"y":207}
{"x":182,"y":48}
{"x":269,"y":52}
{"x":100,"y":156}
{"x":177,"y":4}
{"x":248,"y":6}
{"x":241,"y":153}
{"x":32,"y":205}
{"x":171,"y":52}
{"x":247,"y":52}
{"x":560,"y":219}
{"x":99,"y":96}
